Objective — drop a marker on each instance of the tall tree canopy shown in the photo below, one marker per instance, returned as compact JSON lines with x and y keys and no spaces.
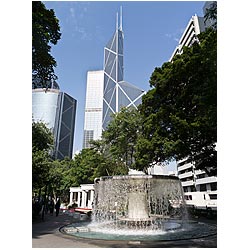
{"x":42,"y":142}
{"x":122,"y":133}
{"x":180,"y":111}
{"x":45,"y":31}
{"x":42,"y":137}
{"x":211,"y":14}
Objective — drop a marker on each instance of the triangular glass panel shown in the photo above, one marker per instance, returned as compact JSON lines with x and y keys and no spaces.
{"x":120,"y":42}
{"x":110,"y":85}
{"x":106,"y":55}
{"x":132,"y":91}
{"x":109,"y":64}
{"x":113,"y":48}
{"x":109,"y":94}
{"x":138,"y":102}
{"x":112,"y":102}
{"x":105,"y":84}
{"x":105,"y":108}
{"x":110,"y":43}
{"x":107,"y":119}
{"x":113,"y":71}
{"x":123,"y":101}
{"x":120,"y":68}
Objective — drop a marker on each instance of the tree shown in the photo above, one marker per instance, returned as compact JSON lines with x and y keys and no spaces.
{"x":40,"y":168}
{"x":42,"y":137}
{"x":211,"y":13}
{"x":122,"y":133}
{"x":45,"y":31}
{"x":92,"y":163}
{"x":180,"y":112}
{"x":60,"y":178}
{"x":84,"y":166}
{"x":42,"y":142}
{"x":109,"y":164}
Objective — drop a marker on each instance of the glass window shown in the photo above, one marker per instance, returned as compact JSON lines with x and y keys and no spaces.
{"x":213,"y":186}
{"x":203,"y":187}
{"x":213,"y":196}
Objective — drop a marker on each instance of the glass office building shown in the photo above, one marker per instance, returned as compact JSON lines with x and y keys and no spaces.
{"x":57,"y":110}
{"x":64,"y":126}
{"x":44,"y":106}
{"x":113,"y":94}
{"x":117,"y":92}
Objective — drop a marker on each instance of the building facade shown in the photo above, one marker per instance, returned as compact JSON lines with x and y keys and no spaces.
{"x":93,"y":107}
{"x":200,"y":189}
{"x":83,"y":196}
{"x":195,"y":26}
{"x":44,"y":106}
{"x":57,"y":110}
{"x":106,"y":91}
{"x":65,"y":126}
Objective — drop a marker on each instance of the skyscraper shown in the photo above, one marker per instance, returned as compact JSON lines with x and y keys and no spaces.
{"x":65,"y":126}
{"x":195,"y":26}
{"x":57,"y":110}
{"x":115,"y":94}
{"x":93,"y":107}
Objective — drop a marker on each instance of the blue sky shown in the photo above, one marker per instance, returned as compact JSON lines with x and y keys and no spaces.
{"x":152,"y":30}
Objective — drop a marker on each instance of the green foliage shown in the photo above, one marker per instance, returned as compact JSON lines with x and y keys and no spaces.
{"x":40,"y":168}
{"x":45,"y":31}
{"x":84,"y":166}
{"x":60,"y":178}
{"x":42,"y":137}
{"x":42,"y":142}
{"x":108,"y":163}
{"x":121,"y":135}
{"x":212,"y":14}
{"x":180,"y":112}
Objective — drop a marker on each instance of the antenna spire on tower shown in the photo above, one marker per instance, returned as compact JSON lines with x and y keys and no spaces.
{"x":121,"y":18}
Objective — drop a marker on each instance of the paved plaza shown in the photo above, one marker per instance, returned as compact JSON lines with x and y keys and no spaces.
{"x":46,"y":234}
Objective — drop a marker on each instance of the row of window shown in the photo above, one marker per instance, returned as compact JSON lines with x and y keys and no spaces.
{"x":211,"y":197}
{"x":201,"y":188}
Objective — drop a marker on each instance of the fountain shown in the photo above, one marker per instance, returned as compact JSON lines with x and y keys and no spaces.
{"x":139,"y":207}
{"x":137,"y":201}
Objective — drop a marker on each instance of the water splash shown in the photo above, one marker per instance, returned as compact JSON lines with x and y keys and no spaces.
{"x":138,"y":202}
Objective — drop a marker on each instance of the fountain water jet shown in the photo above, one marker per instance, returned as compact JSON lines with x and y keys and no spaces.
{"x":139,"y":207}
{"x":138,"y":201}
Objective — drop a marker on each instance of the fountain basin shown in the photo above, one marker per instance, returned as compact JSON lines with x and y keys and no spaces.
{"x":179,"y":231}
{"x":139,"y":208}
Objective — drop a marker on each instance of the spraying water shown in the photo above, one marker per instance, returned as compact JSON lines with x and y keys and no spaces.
{"x":139,"y":207}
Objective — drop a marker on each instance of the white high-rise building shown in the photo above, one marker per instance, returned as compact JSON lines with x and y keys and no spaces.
{"x":93,"y":107}
{"x":194,"y":27}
